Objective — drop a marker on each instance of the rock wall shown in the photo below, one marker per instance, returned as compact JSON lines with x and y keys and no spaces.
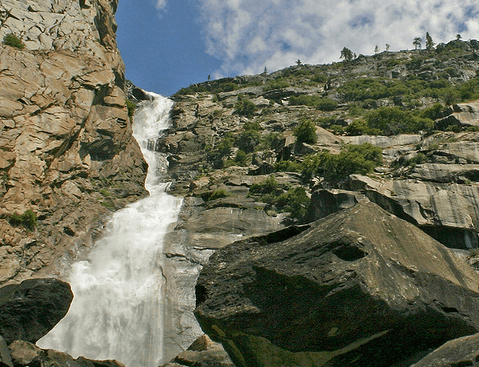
{"x":360,"y":287}
{"x":68,"y":157}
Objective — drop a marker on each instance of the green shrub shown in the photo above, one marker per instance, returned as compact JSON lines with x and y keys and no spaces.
{"x":296,"y":202}
{"x":393,"y":121}
{"x":12,"y":40}
{"x":241,"y":158}
{"x":324,"y":104}
{"x":268,"y":186}
{"x":277,"y":84}
{"x":228,"y":87}
{"x":305,"y":132}
{"x":131,"y":107}
{"x":28,"y":219}
{"x":287,"y":166}
{"x":214,"y":195}
{"x":352,"y":159}
{"x":360,"y":127}
{"x":245,"y":107}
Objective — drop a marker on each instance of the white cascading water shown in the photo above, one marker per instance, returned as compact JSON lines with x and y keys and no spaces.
{"x":117,"y":310}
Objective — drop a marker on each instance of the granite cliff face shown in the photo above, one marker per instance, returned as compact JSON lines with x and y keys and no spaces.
{"x":68,"y":157}
{"x":358,"y":288}
{"x":396,"y":129}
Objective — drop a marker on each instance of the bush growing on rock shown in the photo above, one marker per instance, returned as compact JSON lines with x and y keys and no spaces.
{"x":305,"y":132}
{"x":245,"y":107}
{"x":324,"y":104}
{"x":214,"y":195}
{"x":352,"y":159}
{"x":294,"y":201}
{"x":393,"y":121}
{"x":28,"y":219}
{"x":131,"y":107}
{"x":14,"y":41}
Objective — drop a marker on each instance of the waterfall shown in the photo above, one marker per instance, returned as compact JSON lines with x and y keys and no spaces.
{"x":117,"y":311}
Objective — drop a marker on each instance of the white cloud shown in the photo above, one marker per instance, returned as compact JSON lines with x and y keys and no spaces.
{"x":247,"y":35}
{"x":160,"y":4}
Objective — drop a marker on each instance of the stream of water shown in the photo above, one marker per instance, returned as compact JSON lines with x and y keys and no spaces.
{"x":117,"y":311}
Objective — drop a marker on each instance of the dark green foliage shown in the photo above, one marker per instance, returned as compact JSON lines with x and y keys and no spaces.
{"x":222,"y":149}
{"x":241,"y":158}
{"x":433,"y":112}
{"x":320,"y":78}
{"x":131,"y":107}
{"x":245,"y":107}
{"x":296,"y":202}
{"x":361,"y":127}
{"x":346,"y":54}
{"x":324,"y":104}
{"x":249,"y":138}
{"x":305,"y":132}
{"x":28,"y":219}
{"x":393,"y":121}
{"x":277,"y":84}
{"x":361,"y":89}
{"x":287,"y":166}
{"x":226,"y":144}
{"x":214,"y":195}
{"x":268,"y":186}
{"x":419,"y":158}
{"x":360,"y":159}
{"x":12,"y":40}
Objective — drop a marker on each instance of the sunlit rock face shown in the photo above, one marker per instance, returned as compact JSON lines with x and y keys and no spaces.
{"x":356,"y":284}
{"x":67,"y":149}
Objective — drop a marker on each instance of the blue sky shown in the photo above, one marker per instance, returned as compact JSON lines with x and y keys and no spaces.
{"x":170,"y":44}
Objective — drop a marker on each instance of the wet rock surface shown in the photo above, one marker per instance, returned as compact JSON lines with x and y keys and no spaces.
{"x":29,"y":310}
{"x":357,"y":284}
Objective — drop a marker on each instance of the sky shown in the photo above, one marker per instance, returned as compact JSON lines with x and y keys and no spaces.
{"x":170,"y":44}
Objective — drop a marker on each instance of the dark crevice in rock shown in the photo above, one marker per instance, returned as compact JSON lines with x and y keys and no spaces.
{"x":349,"y":252}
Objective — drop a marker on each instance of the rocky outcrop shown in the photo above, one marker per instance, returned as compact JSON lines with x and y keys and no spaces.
{"x":458,"y":352}
{"x":460,"y":115}
{"x":202,"y":353}
{"x":68,"y":156}
{"x":27,"y":354}
{"x":357,"y":284}
{"x":29,"y":310}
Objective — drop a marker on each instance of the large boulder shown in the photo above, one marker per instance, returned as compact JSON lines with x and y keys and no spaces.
{"x":358,"y":284}
{"x":446,"y":211}
{"x":202,"y":353}
{"x":462,"y":114}
{"x":459,"y":352}
{"x":29,"y":310}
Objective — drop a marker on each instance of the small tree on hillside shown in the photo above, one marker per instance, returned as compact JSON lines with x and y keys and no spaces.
{"x":429,"y":42}
{"x":376,"y":49}
{"x":346,"y":54}
{"x":417,"y":42}
{"x":387,"y":47}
